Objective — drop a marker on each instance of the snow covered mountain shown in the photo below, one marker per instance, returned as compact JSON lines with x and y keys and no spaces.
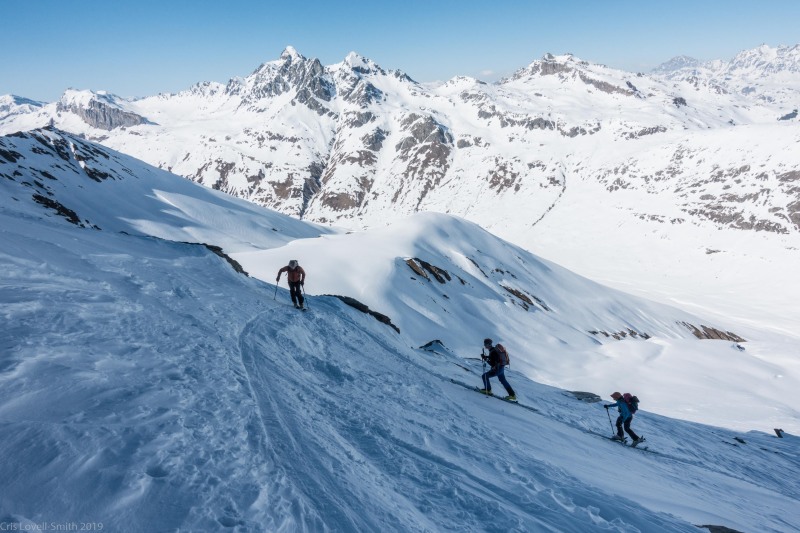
{"x":348,"y":141}
{"x":149,"y":383}
{"x":766,"y":74}
{"x":571,"y":159}
{"x":14,"y":105}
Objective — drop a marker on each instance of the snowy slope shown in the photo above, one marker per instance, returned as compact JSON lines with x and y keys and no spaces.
{"x":128,"y":195}
{"x":564,"y":330}
{"x":146,"y":385}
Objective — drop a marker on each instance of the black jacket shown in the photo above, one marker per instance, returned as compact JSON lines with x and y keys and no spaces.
{"x":493,"y":358}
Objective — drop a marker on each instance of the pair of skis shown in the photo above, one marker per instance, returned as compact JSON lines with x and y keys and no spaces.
{"x":476,"y":389}
{"x":624,"y":442}
{"x":304,"y":308}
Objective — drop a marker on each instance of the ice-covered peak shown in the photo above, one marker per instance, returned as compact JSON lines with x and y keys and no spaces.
{"x":360,"y":64}
{"x":354,"y":59}
{"x":291,"y":54}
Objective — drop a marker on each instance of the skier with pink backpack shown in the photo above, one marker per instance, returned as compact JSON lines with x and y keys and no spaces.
{"x":627,"y":405}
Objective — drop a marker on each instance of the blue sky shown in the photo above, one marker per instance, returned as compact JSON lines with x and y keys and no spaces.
{"x":145,"y":47}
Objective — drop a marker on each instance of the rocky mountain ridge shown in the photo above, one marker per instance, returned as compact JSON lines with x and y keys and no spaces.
{"x":353,"y":143}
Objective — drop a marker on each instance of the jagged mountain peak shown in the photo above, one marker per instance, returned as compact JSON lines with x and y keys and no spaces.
{"x":290,"y":59}
{"x":292,"y":71}
{"x":767,"y":59}
{"x":355,"y":59}
{"x":551,"y":64}
{"x":764,"y":74}
{"x":290,"y":53}
{"x":676,"y":63}
{"x":461,"y":82}
{"x":207,"y":88}
{"x":359,"y":65}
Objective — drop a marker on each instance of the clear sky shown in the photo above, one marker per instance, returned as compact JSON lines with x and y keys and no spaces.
{"x":141,"y":48}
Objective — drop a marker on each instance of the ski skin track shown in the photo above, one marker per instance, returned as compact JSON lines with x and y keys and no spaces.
{"x":645,"y":448}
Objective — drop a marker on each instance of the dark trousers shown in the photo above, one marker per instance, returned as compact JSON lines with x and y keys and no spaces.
{"x":296,"y":293}
{"x":627,"y":425}
{"x":500,"y":372}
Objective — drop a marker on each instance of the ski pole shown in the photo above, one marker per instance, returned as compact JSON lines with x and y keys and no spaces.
{"x":483,"y":358}
{"x":302,"y":286}
{"x":609,"y":421}
{"x":276,"y":288}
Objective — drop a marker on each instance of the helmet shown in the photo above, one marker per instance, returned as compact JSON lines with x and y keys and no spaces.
{"x":293,"y":263}
{"x":616,"y":395}
{"x":487,"y":342}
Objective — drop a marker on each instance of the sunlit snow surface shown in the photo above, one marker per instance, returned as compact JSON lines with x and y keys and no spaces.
{"x":147,"y":386}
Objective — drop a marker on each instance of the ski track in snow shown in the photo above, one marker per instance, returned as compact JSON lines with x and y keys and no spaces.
{"x":403,"y":475}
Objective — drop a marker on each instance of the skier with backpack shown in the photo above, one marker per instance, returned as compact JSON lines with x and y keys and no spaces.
{"x":498,"y":360}
{"x":627,"y":405}
{"x":297,"y":278}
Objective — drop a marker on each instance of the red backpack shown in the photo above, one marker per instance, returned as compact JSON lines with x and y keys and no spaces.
{"x":632,"y":401}
{"x":501,"y":351}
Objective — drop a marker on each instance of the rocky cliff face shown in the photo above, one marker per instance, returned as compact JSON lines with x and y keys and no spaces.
{"x":103,"y":114}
